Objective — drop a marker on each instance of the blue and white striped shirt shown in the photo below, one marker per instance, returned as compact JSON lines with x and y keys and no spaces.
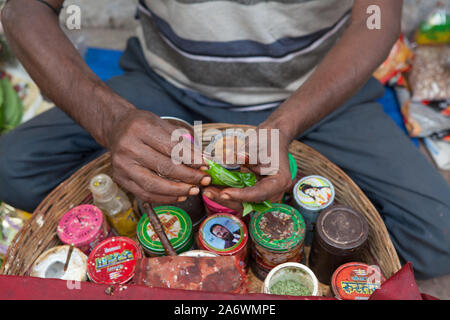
{"x":243,"y":54}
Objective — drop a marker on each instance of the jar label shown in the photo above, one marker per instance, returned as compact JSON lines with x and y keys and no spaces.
{"x":81,"y":225}
{"x":113,"y":261}
{"x":314,"y":192}
{"x":223,"y":233}
{"x":356,"y":281}
{"x":177,"y":226}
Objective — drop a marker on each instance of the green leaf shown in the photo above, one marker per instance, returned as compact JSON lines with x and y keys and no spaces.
{"x":222,"y":177}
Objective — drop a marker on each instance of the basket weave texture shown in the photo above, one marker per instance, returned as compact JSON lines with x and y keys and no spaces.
{"x":39,"y":234}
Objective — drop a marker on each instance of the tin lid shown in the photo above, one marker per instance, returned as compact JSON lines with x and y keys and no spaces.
{"x":341,"y":230}
{"x":356,"y":281}
{"x":177,"y":225}
{"x":314,"y":193}
{"x":279,"y":228}
{"x":223,"y":234}
{"x":113,"y":261}
{"x":81,"y":225}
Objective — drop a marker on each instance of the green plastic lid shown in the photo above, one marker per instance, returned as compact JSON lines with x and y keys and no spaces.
{"x":293,"y":166}
{"x":280,"y":228}
{"x":177,"y":225}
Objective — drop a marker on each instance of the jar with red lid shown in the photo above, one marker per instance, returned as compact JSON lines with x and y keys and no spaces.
{"x":113,"y":261}
{"x":225,"y":235}
{"x":340,"y":236}
{"x":356,"y":281}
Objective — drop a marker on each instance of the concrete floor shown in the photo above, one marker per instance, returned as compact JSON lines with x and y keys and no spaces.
{"x":116,"y":39}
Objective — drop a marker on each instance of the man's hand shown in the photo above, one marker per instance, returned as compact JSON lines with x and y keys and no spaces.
{"x":141,"y":147}
{"x":274,"y":176}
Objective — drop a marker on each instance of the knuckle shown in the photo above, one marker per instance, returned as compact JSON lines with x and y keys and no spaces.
{"x":165,"y":168}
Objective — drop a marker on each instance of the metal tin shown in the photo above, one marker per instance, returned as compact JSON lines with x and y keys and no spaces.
{"x":277,"y":237}
{"x":113,"y":261}
{"x":179,"y":122}
{"x":225,"y":235}
{"x":356,"y":281}
{"x":50,"y":264}
{"x":223,"y":141}
{"x":312,"y":194}
{"x":84,"y":226}
{"x":294,"y":272}
{"x":177,"y":225}
{"x":340,"y":236}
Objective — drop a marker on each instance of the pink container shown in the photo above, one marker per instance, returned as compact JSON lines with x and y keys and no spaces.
{"x":213,"y":207}
{"x":84,"y":226}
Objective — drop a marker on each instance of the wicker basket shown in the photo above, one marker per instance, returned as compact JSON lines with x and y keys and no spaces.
{"x":39,"y":234}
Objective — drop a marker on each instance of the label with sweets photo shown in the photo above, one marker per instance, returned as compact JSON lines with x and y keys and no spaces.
{"x":113,"y":261}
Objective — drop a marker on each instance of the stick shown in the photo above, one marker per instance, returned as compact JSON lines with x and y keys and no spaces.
{"x":158,"y":228}
{"x":69,"y":255}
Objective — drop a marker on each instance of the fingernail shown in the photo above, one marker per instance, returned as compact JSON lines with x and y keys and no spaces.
{"x":194,"y":191}
{"x":181,"y":199}
{"x":205,"y":181}
{"x":224,"y":196}
{"x":204,"y":168}
{"x":208,"y":195}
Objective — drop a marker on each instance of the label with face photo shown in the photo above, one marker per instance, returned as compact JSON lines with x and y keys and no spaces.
{"x":223,"y":233}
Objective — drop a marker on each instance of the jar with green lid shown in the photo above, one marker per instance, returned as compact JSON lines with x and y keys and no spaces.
{"x":177,"y":225}
{"x":277,"y":237}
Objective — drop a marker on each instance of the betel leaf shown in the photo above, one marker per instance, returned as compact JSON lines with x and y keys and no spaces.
{"x":222,"y":177}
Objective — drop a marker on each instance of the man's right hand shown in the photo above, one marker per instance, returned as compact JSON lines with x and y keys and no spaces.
{"x":141,"y":147}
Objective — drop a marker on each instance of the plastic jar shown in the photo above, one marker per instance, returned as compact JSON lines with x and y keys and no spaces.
{"x":225,"y":235}
{"x":84,"y":226}
{"x":113,"y":261}
{"x":177,"y":226}
{"x":311,"y":195}
{"x":340,"y":235}
{"x":277,"y":237}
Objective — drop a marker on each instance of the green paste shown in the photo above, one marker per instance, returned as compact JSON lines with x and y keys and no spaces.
{"x":290,"y":288}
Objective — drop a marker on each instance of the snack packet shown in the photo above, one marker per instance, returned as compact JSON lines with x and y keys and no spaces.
{"x":435,"y":29}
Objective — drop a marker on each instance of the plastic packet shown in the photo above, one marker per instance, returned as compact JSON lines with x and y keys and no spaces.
{"x":430,"y":73}
{"x":420,"y":119}
{"x":11,"y":221}
{"x":435,"y":29}
{"x":399,"y":60}
{"x":440,"y":152}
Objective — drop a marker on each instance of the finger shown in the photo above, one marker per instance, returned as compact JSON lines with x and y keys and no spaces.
{"x":140,"y":193}
{"x":175,"y":144}
{"x":165,"y":167}
{"x":154,"y":184}
{"x":214,"y":194}
{"x":263,"y":190}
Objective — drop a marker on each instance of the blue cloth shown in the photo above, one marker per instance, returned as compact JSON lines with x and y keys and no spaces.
{"x":104,"y":62}
{"x":392,"y":108}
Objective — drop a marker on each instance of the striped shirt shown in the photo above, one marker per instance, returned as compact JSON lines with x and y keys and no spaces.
{"x":246,"y":55}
